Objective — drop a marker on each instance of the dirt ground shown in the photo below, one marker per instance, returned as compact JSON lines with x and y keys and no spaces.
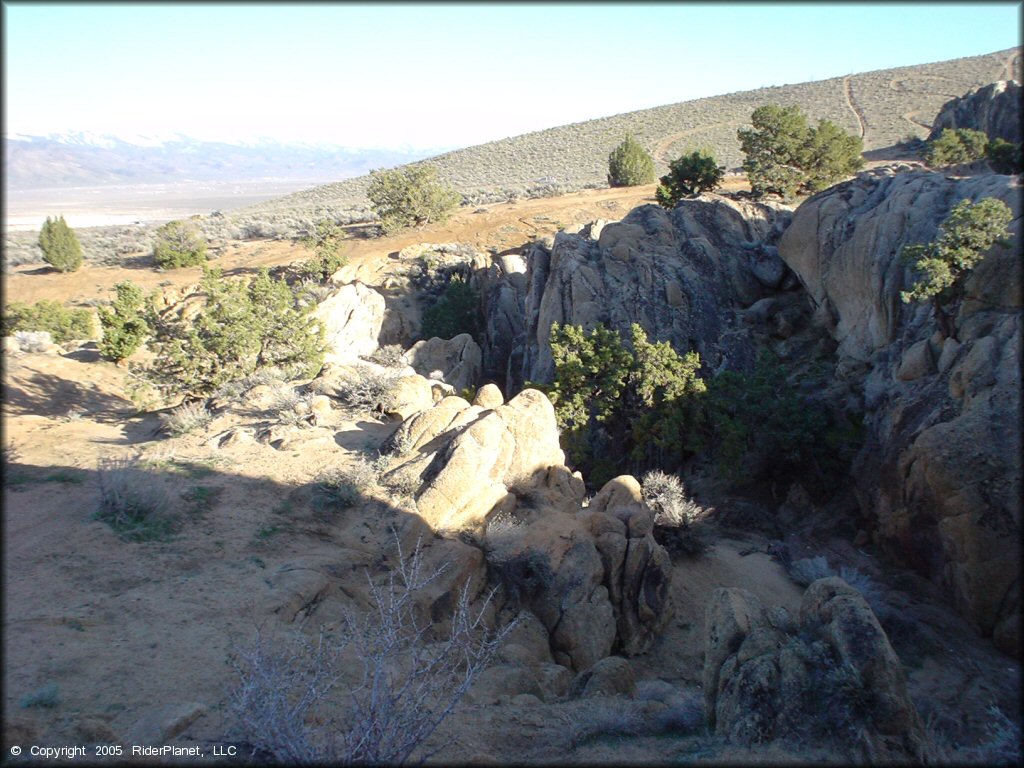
{"x":114,"y":641}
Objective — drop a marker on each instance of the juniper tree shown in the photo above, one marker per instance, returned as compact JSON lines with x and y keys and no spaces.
{"x":60,"y":246}
{"x":630,"y":165}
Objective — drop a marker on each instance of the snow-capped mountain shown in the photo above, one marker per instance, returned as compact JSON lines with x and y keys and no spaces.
{"x":84,"y":158}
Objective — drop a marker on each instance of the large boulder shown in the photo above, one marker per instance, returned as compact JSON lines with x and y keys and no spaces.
{"x":683,"y":275}
{"x":939,"y":474}
{"x":832,"y":677}
{"x":458,"y":360}
{"x":993,"y":109}
{"x":352,"y":317}
{"x":467,"y":458}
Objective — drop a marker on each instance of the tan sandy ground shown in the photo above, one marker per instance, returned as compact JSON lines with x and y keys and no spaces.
{"x":136,"y":635}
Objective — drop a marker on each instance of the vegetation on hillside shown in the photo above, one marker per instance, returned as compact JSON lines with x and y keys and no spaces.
{"x":60,"y":246}
{"x":410,"y":196}
{"x":630,"y":165}
{"x":179,"y":244}
{"x":325,"y":240}
{"x":786,"y":156}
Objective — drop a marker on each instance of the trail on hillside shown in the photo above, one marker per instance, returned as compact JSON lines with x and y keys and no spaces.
{"x":854,"y":107}
{"x":661,"y":150}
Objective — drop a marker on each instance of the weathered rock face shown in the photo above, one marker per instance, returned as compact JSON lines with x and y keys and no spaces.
{"x":466,"y":457}
{"x":457,"y":359}
{"x":502,"y":289}
{"x":939,"y":476}
{"x":595,"y":578}
{"x":352,"y":317}
{"x":832,"y":675}
{"x":993,"y":109}
{"x":684,"y":275}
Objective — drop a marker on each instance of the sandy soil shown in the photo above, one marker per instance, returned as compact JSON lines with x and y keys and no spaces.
{"x":136,"y":635}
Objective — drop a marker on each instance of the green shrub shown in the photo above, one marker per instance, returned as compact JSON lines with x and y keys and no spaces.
{"x":325,"y":241}
{"x":243,"y":326}
{"x":455,"y":312}
{"x":60,"y":246}
{"x":123,"y":322}
{"x":785,"y":156}
{"x":629,"y":165}
{"x":61,"y":323}
{"x":941,"y":267}
{"x":760,"y":426}
{"x":687,"y":176}
{"x":1004,"y":157}
{"x":410,"y":196}
{"x":955,"y":146}
{"x":179,"y":244}
{"x":618,"y":405}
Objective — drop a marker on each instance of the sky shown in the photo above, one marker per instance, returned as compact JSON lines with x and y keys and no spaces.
{"x":421,"y":76}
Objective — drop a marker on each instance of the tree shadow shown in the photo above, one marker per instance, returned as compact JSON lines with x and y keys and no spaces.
{"x":44,"y":394}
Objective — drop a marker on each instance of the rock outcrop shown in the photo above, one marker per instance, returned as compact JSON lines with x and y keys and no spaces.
{"x":830,"y":675}
{"x":994,"y":109}
{"x":683,"y":275}
{"x":595,"y":578}
{"x":456,"y":360}
{"x":352,"y":318}
{"x":939,"y":475}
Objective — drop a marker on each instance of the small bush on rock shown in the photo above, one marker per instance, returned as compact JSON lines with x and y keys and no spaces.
{"x":956,"y":146}
{"x":325,"y":240}
{"x":1004,"y":158}
{"x":689,"y":175}
{"x":185,"y":418}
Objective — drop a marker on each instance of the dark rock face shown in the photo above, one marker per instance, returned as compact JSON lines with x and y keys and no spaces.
{"x":993,"y":109}
{"x":939,"y":476}
{"x":684,"y":275}
{"x":829,"y":675}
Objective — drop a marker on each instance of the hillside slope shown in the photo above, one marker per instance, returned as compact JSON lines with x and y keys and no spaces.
{"x":883,"y":106}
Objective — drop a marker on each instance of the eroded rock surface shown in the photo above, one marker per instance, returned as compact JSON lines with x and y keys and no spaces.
{"x":352,"y":318}
{"x":831,"y":675}
{"x":993,"y":109}
{"x":939,"y":475}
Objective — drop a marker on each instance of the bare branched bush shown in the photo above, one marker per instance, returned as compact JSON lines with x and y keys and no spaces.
{"x":665,"y":495}
{"x":132,"y":501}
{"x":390,"y":356}
{"x":810,"y":569}
{"x":185,"y":419}
{"x":291,"y":704}
{"x":369,"y":389}
{"x":603,"y":716}
{"x":402,"y":484}
{"x":344,"y":486}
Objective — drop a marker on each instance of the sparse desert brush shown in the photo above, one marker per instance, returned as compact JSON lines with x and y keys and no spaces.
{"x":133,"y":502}
{"x":390,"y":356}
{"x":292,"y":704}
{"x":185,"y":419}
{"x":46,"y":697}
{"x":666,"y":496}
{"x":33,"y":341}
{"x":403,"y":484}
{"x":369,"y":389}
{"x":603,"y":716}
{"x":342,"y":487}
{"x":809,"y":569}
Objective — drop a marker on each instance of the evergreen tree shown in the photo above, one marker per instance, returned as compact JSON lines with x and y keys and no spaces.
{"x":629,"y":165}
{"x":60,"y":246}
{"x":689,"y":175}
{"x":124,"y":323}
{"x":179,"y":244}
{"x":410,"y":196}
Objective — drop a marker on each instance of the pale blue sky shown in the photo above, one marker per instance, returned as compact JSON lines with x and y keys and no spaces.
{"x":432,"y":76}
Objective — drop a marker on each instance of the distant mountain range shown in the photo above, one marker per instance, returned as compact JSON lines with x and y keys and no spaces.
{"x":88,"y":160}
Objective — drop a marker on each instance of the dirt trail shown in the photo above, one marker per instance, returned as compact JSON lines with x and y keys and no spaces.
{"x":854,"y":107}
